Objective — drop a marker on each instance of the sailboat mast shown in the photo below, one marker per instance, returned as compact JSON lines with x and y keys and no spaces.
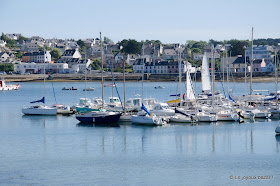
{"x":251,"y":71}
{"x":245,"y":73}
{"x":213,"y":75}
{"x":143,"y":66}
{"x":276,"y":77}
{"x":44,"y":73}
{"x":124,"y":109}
{"x":102,"y":79}
{"x":180,"y":75}
{"x":86,"y":76}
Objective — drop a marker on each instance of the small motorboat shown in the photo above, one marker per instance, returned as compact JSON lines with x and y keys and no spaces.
{"x":110,"y":85}
{"x":88,"y":89}
{"x":3,"y":86}
{"x":71,"y":88}
{"x":159,"y":87}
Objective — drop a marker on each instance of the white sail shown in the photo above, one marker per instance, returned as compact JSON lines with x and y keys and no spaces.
{"x":205,"y":75}
{"x":190,"y":91}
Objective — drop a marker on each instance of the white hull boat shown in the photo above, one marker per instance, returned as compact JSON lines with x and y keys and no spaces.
{"x":147,"y":120}
{"x":261,"y":114}
{"x":39,"y":110}
{"x":162,"y":109}
{"x":5,"y":87}
{"x":226,"y":116}
{"x":178,"y":118}
{"x":203,"y":117}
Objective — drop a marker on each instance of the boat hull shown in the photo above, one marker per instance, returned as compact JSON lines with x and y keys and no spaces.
{"x":112,"y":118}
{"x":39,"y":111}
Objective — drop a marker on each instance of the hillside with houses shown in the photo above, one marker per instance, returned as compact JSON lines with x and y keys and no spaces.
{"x":22,"y":55}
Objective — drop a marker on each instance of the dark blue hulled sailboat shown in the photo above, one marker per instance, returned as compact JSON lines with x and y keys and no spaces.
{"x":101,"y":115}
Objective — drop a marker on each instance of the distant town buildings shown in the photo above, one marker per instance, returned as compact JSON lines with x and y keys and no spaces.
{"x":154,"y":58}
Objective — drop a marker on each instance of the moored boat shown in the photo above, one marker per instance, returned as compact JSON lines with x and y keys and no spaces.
{"x":101,"y":116}
{"x":4,"y":87}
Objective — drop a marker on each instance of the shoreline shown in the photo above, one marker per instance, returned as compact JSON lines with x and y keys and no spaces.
{"x":118,"y":78}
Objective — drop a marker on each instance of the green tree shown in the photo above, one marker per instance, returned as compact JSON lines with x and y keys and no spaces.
{"x":81,"y":43}
{"x":200,"y":44}
{"x":237,"y":47}
{"x":196,"y":50}
{"x":22,"y":38}
{"x":96,"y":64}
{"x":56,"y":54}
{"x":6,"y":67}
{"x":130,"y":46}
{"x":18,"y":54}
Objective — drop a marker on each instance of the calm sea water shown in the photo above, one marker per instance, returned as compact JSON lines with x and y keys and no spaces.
{"x":37,"y":150}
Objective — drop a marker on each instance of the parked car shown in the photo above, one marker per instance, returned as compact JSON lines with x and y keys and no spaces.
{"x":27,"y":73}
{"x":2,"y":73}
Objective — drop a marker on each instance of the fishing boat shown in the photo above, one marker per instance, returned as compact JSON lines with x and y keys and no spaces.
{"x":4,"y":87}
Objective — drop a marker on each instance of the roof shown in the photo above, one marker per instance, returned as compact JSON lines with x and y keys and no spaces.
{"x":257,"y":61}
{"x":69,"y":52}
{"x":170,"y":52}
{"x":33,"y":54}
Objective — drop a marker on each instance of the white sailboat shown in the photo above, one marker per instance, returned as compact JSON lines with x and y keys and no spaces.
{"x":40,"y":109}
{"x":146,"y":118}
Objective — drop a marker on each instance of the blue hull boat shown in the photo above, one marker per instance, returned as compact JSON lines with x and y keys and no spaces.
{"x":99,"y":117}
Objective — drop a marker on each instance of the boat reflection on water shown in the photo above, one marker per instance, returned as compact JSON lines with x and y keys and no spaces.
{"x":81,"y":124}
{"x":277,"y":137}
{"x":38,"y":118}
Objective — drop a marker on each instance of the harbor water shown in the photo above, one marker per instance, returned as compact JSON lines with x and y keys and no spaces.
{"x":58,"y":150}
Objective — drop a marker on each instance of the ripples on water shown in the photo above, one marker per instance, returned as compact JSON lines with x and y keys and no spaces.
{"x":58,"y":150}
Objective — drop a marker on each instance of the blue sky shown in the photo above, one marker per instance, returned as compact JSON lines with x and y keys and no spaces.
{"x":167,"y":21}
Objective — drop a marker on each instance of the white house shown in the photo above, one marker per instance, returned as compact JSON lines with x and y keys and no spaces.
{"x":68,"y":55}
{"x":30,"y":47}
{"x":4,"y":57}
{"x":38,"y":68}
{"x":13,"y":36}
{"x":80,"y":67}
{"x":2,"y":43}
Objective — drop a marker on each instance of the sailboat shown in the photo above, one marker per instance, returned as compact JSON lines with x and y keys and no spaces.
{"x":146,"y":118}
{"x":180,"y":116}
{"x":100,"y":116}
{"x":40,"y":109}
